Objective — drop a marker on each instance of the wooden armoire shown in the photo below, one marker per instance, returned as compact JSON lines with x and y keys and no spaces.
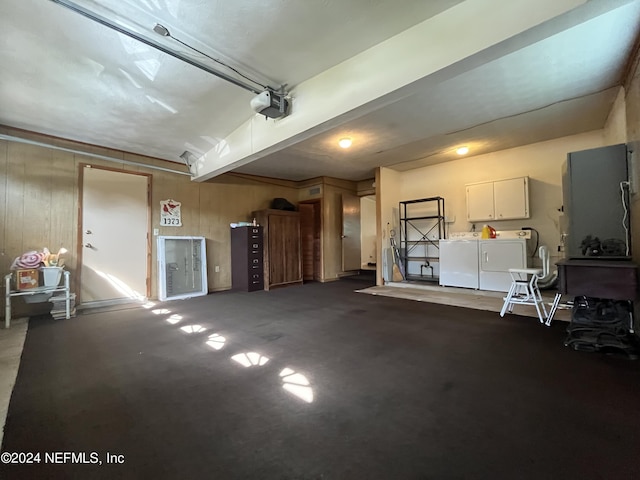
{"x":282,"y":247}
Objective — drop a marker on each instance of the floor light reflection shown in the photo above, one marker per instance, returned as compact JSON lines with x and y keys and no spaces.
{"x":121,"y":286}
{"x":160,"y":311}
{"x":297,"y":384}
{"x":173,"y":319}
{"x":193,"y":328}
{"x":216,"y":341}
{"x":303,"y":393}
{"x":148,"y":305}
{"x":250,"y":359}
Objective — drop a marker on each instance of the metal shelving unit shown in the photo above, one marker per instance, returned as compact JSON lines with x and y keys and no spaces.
{"x":422,"y":226}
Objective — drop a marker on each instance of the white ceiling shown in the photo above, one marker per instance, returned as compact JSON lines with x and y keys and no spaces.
{"x":65,"y":75}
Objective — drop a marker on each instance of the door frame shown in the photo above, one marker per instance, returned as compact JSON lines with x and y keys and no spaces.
{"x":317,"y":203}
{"x":80,"y":235}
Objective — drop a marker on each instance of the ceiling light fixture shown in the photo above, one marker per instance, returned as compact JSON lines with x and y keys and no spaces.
{"x":462,"y":150}
{"x":345,"y":142}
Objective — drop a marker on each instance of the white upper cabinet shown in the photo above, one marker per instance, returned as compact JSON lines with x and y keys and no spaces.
{"x":480,"y":202}
{"x":499,"y":200}
{"x":511,"y":198}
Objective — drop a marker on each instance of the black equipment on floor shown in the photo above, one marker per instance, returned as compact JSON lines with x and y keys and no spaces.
{"x":603,"y":325}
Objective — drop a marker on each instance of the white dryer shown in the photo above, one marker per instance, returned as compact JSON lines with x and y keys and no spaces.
{"x":459,"y":265}
{"x":498,"y":255}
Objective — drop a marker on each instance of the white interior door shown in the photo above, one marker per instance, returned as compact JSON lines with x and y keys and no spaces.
{"x":368,"y":230}
{"x":115,"y":229}
{"x":351,"y":255}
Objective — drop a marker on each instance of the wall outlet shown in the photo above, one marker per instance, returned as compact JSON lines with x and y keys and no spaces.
{"x":217,"y":268}
{"x":449,"y":219}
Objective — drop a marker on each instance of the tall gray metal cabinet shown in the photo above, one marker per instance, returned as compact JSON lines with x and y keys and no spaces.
{"x":595,"y":193}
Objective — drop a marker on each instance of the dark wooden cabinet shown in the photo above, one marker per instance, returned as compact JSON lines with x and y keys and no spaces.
{"x":600,"y":278}
{"x":282,"y":247}
{"x":247,"y":265}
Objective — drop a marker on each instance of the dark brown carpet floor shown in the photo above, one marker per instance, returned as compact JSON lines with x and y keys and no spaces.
{"x":401,"y":390}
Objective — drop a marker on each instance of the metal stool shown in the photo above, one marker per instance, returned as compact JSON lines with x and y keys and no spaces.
{"x":524,"y":291}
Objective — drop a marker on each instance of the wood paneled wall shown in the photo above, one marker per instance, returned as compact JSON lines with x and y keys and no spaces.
{"x":39,"y":203}
{"x":39,"y":196}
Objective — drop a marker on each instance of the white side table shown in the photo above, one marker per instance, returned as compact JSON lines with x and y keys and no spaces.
{"x":34,"y":291}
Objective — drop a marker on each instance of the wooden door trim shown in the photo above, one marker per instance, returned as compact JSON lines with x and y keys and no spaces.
{"x":80,"y":235}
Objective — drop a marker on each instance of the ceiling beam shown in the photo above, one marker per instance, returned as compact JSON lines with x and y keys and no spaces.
{"x":458,"y":40}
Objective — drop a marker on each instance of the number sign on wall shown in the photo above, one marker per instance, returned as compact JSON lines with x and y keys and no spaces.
{"x":170,"y":213}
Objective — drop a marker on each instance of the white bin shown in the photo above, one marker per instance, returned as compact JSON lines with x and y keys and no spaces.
{"x":51,"y":276}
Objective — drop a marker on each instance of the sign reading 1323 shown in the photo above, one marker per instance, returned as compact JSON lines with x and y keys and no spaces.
{"x":170,"y":213}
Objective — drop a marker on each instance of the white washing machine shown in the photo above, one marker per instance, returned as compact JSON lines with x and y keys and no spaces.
{"x":459,"y":265}
{"x":467,"y":260}
{"x":498,"y":255}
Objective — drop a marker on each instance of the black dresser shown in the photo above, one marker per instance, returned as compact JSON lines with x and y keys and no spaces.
{"x":247,"y":270}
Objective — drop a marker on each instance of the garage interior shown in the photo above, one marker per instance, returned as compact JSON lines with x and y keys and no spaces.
{"x":127,"y":125}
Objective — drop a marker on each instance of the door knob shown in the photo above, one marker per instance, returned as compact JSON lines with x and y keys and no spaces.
{"x":88,"y":245}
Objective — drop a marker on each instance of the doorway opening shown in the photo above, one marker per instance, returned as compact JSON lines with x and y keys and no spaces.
{"x":368,"y":232}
